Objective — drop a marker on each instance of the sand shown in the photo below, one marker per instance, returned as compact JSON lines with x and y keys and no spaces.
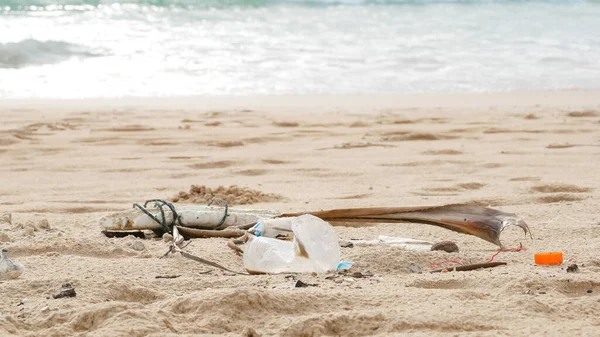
{"x":71,"y":162}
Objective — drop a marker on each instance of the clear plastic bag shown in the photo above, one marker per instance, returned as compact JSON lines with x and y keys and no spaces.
{"x":314,"y":248}
{"x":8,"y":269}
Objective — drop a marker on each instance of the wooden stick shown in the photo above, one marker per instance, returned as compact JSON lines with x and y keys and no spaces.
{"x":208,"y":233}
{"x":468,"y":267}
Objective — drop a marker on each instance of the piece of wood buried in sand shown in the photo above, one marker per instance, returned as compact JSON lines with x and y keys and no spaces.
{"x":483,"y":222}
{"x":230,"y":232}
{"x":196,"y":216}
{"x":468,"y":267}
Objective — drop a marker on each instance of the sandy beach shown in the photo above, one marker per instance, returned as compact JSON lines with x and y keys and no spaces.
{"x":70,"y":162}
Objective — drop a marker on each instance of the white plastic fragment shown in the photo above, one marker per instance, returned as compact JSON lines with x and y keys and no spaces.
{"x":8,"y":269}
{"x":314,"y":249}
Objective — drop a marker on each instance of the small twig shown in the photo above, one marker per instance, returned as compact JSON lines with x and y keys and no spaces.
{"x":167,"y":276}
{"x":208,"y":233}
{"x":231,"y":244}
{"x":175,"y":247}
{"x":210,"y":263}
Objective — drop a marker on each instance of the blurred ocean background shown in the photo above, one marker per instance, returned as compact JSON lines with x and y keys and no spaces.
{"x":82,"y":48}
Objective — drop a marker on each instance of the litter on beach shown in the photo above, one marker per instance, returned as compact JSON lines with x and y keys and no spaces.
{"x":300,"y":242}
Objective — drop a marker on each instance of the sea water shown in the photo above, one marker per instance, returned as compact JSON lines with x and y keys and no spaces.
{"x":103,"y":48}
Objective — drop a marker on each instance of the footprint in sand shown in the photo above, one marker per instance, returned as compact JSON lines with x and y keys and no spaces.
{"x":359,"y":124}
{"x":356,"y":145}
{"x":560,"y":146}
{"x":436,"y":162}
{"x":355,"y":196}
{"x":500,"y":130}
{"x":399,"y":136}
{"x":442,"y":152}
{"x":230,"y":143}
{"x":559,"y":192}
{"x":558,"y":198}
{"x":130,"y":128}
{"x":457,"y":188}
{"x":252,"y":172}
{"x":286,"y":124}
{"x":212,"y":165}
{"x":6,"y":141}
{"x":123,"y":292}
{"x":156,"y":142}
{"x":525,"y":179}
{"x":585,"y":113}
{"x":275,"y":161}
{"x":531,"y":116}
{"x":493,"y":165}
{"x":559,"y":188}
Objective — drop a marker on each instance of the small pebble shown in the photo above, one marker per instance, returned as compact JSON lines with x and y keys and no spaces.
{"x":44,"y":224}
{"x":168,"y":238}
{"x":28,"y":232}
{"x":45,"y":309}
{"x":65,"y":291}
{"x":6,"y":218}
{"x":415,"y":268}
{"x":572,"y":268}
{"x":357,"y":274}
{"x":338,"y":280}
{"x":5,"y":238}
{"x":447,"y":246}
{"x":31,"y":224}
{"x":300,"y":284}
{"x":346,"y":244}
{"x":590,"y":291}
{"x":250,"y":332}
{"x":138,"y":246}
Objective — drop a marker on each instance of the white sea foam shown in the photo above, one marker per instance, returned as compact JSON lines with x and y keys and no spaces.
{"x":282,"y":47}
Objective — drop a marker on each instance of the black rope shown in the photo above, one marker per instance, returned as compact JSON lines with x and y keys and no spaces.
{"x":220,"y":224}
{"x":167,"y":227}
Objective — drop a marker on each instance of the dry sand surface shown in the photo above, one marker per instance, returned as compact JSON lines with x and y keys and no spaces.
{"x":72,"y":162}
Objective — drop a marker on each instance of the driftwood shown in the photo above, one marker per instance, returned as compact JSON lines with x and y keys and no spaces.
{"x":230,"y":232}
{"x":194,"y":216}
{"x":468,"y":267}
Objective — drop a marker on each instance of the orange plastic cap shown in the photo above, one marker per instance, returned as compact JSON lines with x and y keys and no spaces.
{"x":548,"y":258}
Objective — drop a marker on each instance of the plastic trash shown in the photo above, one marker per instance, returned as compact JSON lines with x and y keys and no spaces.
{"x":344,"y":265}
{"x":274,"y":228}
{"x":548,"y":258}
{"x":314,"y":249}
{"x":8,"y":269}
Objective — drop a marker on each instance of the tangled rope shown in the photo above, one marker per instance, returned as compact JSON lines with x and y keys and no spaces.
{"x":176,"y":219}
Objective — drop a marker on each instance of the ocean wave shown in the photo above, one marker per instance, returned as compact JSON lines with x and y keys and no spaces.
{"x":33,"y":52}
{"x":83,"y":5}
